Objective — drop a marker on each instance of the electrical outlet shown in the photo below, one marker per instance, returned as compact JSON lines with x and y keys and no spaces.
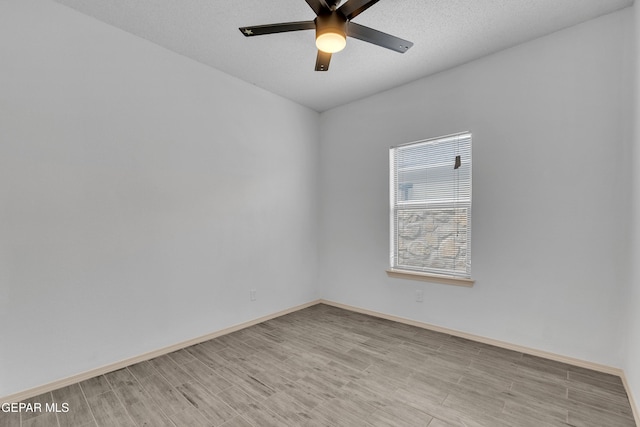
{"x":419,"y":295}
{"x":252,"y":294}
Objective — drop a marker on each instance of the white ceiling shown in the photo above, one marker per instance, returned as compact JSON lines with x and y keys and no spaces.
{"x":445,"y":33}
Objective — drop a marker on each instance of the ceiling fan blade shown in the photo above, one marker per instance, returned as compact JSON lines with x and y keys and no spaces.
{"x":353,"y":8}
{"x":379,"y":38}
{"x":258,"y":30}
{"x":319,"y":6}
{"x":322,"y":61}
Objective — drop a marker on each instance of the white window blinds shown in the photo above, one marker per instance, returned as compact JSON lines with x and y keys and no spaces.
{"x":431,"y":206}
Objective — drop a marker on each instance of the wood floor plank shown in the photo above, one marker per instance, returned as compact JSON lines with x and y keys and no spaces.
{"x":587,"y":416}
{"x":399,"y":414}
{"x":435,"y":389}
{"x":109,"y":411}
{"x":319,"y":385}
{"x":189,"y":417}
{"x":141,"y":407}
{"x":344,"y":358}
{"x":367,"y":391}
{"x":72,"y":407}
{"x":212,"y":346}
{"x":543,"y":391}
{"x":164,"y":394}
{"x":420,"y":399}
{"x":120,"y":378}
{"x":258,"y":415}
{"x":287,"y":408}
{"x":521,"y":420}
{"x":615,"y":406}
{"x":218,"y":364}
{"x":599,"y":377}
{"x":181,"y":357}
{"x":94,"y":386}
{"x":10,"y":419}
{"x":266,"y":347}
{"x":45,"y":419}
{"x":305,"y":395}
{"x":211,"y":407}
{"x":142,"y":369}
{"x":594,"y":384}
{"x":410,"y":356}
{"x":504,"y":370}
{"x":440,"y":369}
{"x":339,"y":413}
{"x":527,"y":413}
{"x":237,"y":399}
{"x":289,"y":370}
{"x":474,"y":401}
{"x":234,"y":355}
{"x":459,"y":415}
{"x":238,"y":421}
{"x":39,"y":401}
{"x":206,"y":376}
{"x":327,"y":415}
{"x":235,"y":343}
{"x":170,"y":370}
{"x":544,"y":367}
{"x":387,"y":370}
{"x":482,"y":381}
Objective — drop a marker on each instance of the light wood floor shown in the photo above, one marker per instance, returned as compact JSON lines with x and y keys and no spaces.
{"x":323,"y":366}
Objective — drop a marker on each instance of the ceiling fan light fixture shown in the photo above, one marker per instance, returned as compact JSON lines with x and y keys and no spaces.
{"x":331,"y":32}
{"x":331,"y":42}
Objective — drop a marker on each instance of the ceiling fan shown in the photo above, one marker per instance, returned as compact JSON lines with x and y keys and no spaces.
{"x":333,"y":25}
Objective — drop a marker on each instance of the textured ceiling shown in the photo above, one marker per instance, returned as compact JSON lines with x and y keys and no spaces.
{"x":445,"y":33}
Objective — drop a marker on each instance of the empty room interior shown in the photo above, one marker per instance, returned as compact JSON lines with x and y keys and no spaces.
{"x":196,"y":226}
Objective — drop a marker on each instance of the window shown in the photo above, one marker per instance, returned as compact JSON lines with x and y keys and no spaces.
{"x":431,"y":206}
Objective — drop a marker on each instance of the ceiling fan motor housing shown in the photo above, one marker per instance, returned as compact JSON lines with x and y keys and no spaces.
{"x":331,"y":25}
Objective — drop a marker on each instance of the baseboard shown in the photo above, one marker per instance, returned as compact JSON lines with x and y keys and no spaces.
{"x":36,"y":391}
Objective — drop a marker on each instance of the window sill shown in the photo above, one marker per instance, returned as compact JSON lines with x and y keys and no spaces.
{"x":429,"y":277}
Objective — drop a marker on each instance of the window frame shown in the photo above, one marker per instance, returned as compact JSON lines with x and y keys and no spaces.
{"x":453,"y":275}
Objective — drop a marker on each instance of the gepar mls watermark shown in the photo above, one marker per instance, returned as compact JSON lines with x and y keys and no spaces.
{"x":36,"y":407}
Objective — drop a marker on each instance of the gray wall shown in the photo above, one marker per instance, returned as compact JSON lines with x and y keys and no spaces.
{"x":632,"y":369}
{"x":142,"y":195}
{"x":550,"y":127}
